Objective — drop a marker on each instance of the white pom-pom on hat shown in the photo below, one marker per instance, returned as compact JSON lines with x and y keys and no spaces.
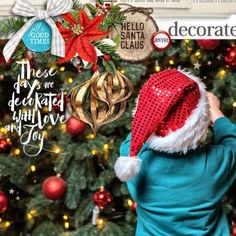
{"x":127,"y":167}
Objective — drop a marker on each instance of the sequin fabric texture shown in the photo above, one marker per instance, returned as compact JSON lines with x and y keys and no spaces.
{"x":165,"y":102}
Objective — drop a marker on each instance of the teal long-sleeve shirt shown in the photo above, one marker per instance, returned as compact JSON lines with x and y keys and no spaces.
{"x":180,"y":195}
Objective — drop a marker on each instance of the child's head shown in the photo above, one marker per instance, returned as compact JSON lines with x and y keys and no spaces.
{"x":172,"y":115}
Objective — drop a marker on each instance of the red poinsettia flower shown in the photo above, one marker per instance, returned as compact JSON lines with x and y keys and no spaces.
{"x":79,"y":36}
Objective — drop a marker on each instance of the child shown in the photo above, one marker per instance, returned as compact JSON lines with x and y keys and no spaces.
{"x":179,"y":186}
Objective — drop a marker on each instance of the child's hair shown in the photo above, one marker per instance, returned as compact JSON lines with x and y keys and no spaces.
{"x":172,"y":115}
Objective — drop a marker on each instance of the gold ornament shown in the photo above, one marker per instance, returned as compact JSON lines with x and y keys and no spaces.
{"x":100,"y":100}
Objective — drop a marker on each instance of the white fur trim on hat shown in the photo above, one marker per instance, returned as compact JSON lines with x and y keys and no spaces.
{"x":127,"y":167}
{"x":194,"y":130}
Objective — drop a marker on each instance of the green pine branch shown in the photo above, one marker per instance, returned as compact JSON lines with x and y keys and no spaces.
{"x":10,"y":25}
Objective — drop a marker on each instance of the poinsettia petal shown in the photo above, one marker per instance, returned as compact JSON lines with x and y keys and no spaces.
{"x":83,"y":18}
{"x":94,"y":23}
{"x":69,"y":18}
{"x":94,"y":35}
{"x":66,"y":33}
{"x":86,"y":50}
{"x":70,"y":48}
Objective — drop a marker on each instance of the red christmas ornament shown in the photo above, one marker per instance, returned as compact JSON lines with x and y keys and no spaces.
{"x":75,"y":126}
{"x":54,"y":187}
{"x":94,"y":68}
{"x":4,"y":146}
{"x":134,"y":206}
{"x":208,"y":44}
{"x":57,"y":108}
{"x":107,"y":57}
{"x":102,"y":198}
{"x":230,"y":57}
{"x":3,"y":202}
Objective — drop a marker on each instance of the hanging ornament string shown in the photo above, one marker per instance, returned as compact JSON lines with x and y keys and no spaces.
{"x":100,"y":100}
{"x":147,"y":11}
{"x":54,"y":8}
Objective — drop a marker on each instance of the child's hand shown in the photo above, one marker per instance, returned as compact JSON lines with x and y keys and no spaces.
{"x":215,"y":111}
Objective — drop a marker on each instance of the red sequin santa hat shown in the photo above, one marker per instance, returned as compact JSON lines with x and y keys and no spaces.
{"x":172,"y":115}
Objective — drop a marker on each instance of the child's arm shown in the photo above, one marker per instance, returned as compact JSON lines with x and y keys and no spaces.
{"x":224,"y":152}
{"x":224,"y":129}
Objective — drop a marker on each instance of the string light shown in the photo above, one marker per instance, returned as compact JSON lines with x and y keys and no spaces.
{"x":171,"y":62}
{"x":106,"y":147}
{"x":7,"y":224}
{"x":67,"y":225}
{"x":56,"y":149}
{"x":70,"y":80}
{"x":8,"y":140}
{"x":157,"y":68}
{"x":198,"y":54}
{"x":130,"y":203}
{"x":17,"y":152}
{"x":100,"y":223}
{"x":234,"y":104}
{"x":3,"y":130}
{"x":33,"y":212}
{"x":1,"y":77}
{"x":122,"y":71}
{"x":186,"y":41}
{"x":62,"y":69}
{"x":62,"y":128}
{"x":45,"y":109}
{"x":29,"y":216}
{"x":221,"y":74}
{"x":33,"y":168}
{"x":90,"y":136}
{"x":45,"y":134}
{"x":65,"y":217}
{"x":94,"y":152}
{"x":49,"y":127}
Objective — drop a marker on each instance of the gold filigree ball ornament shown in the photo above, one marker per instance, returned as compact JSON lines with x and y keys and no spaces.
{"x":100,"y":100}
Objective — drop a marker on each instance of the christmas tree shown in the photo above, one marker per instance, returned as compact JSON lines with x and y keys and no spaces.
{"x":71,"y":188}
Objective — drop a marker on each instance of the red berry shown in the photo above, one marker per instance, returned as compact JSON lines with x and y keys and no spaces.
{"x":107,"y":57}
{"x":109,"y":8}
{"x":97,"y":5}
{"x":105,"y":13}
{"x":101,"y":7}
{"x":94,"y":68}
{"x":107,"y":4}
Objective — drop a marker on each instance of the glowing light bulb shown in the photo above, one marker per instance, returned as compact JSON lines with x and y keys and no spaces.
{"x":17,"y":152}
{"x":94,"y":152}
{"x":67,"y":225}
{"x":70,"y":80}
{"x":62,"y":69}
{"x":33,"y":168}
{"x":157,"y":68}
{"x":106,"y":147}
